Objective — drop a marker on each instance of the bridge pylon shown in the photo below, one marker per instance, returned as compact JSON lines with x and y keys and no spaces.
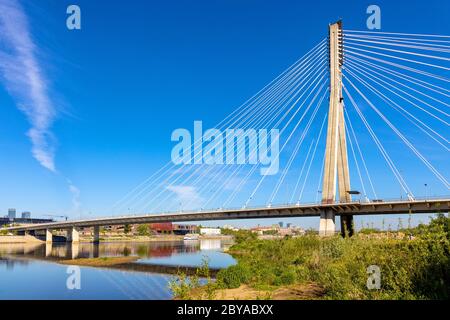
{"x":336,"y":172}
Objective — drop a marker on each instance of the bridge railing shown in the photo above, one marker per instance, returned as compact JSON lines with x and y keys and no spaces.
{"x":282,"y":205}
{"x":276,"y":205}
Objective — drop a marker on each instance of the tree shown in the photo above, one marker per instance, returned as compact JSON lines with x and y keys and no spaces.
{"x":127,"y":229}
{"x":143,"y":230}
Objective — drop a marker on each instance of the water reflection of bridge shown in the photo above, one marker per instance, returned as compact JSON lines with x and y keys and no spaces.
{"x":93,"y":250}
{"x":20,"y":254}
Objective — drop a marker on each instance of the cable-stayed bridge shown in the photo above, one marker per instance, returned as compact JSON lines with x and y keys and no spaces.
{"x":365,"y":109}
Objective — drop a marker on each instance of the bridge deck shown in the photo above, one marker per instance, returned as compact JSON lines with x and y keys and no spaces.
{"x":350,"y":208}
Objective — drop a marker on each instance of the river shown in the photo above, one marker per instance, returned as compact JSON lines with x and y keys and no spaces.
{"x":30,"y":271}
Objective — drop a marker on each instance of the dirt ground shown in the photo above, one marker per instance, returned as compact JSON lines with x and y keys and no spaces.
{"x":308,"y":291}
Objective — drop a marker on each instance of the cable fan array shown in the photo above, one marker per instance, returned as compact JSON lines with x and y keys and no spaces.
{"x":402,"y":81}
{"x":396,"y":98}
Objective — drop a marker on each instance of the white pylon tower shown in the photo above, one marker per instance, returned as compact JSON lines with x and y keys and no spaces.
{"x":336,"y":173}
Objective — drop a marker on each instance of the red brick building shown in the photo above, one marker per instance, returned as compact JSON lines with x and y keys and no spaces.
{"x":165,"y":227}
{"x":169,"y":227}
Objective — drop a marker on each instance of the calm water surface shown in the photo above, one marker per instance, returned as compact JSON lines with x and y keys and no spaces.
{"x":29,"y":271}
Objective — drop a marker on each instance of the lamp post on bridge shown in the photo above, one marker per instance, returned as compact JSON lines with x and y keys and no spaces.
{"x":355,"y":192}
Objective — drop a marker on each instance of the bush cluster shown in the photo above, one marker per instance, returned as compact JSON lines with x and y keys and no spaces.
{"x":414,"y":267}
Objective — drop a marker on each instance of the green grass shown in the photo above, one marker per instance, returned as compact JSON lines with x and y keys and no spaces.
{"x":414,"y":264}
{"x":414,"y":267}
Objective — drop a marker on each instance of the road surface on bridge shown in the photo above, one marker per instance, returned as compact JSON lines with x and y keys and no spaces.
{"x":288,"y":211}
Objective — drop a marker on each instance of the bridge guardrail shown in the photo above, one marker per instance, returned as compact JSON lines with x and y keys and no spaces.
{"x":280,"y":206}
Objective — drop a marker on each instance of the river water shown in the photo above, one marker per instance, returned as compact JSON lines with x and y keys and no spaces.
{"x":30,"y":271}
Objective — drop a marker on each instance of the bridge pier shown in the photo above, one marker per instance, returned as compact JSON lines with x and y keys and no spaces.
{"x":73,"y":250}
{"x":327,"y":225}
{"x":96,"y":251}
{"x":73,"y":235}
{"x":96,"y":234}
{"x":48,"y":236}
{"x":48,"y":249}
{"x":347,"y":228}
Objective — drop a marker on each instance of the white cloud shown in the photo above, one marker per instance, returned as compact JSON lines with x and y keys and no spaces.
{"x":187,"y":196}
{"x":23,"y":77}
{"x":76,"y":204}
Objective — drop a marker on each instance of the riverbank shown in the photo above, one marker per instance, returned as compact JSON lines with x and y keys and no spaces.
{"x":19,"y":239}
{"x":308,"y":291}
{"x":410,"y":264}
{"x":99,"y":262}
{"x":132,"y":264}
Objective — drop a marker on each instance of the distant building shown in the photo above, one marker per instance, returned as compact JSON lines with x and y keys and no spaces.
{"x":276,"y":230}
{"x":265,"y":230}
{"x":285,"y":232}
{"x":168,"y":227}
{"x":163,"y":227}
{"x":26,"y":215}
{"x":11,"y":214}
{"x":184,"y":228}
{"x":210,"y":231}
{"x":230,"y":227}
{"x":7,"y":221}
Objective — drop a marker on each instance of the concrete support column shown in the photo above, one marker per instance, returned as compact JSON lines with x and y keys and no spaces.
{"x":48,"y":236}
{"x":73,"y":250}
{"x":48,"y":249}
{"x":327,"y":225}
{"x":96,"y":251}
{"x":73,"y":235}
{"x":97,"y":234}
{"x":347,"y":225}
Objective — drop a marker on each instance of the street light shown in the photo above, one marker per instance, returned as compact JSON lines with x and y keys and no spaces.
{"x":426,"y":191}
{"x":354,"y":192}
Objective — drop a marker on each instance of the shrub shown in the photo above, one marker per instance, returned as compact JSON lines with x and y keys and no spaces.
{"x":143,"y":230}
{"x":288,"y":276}
{"x":181,"y":286}
{"x":411,"y":268}
{"x":244,"y":235}
{"x":233,"y":276}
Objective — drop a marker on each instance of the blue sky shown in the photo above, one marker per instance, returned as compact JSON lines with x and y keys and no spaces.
{"x":137,"y":70}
